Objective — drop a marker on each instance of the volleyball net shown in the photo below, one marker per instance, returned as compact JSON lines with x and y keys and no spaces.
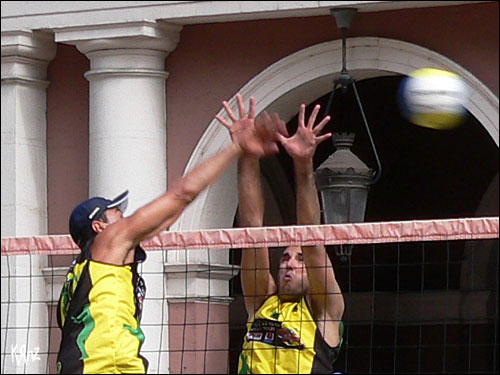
{"x":420,"y":296}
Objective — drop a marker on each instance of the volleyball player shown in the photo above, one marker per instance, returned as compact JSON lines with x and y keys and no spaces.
{"x":100,"y":305}
{"x":294,"y":325}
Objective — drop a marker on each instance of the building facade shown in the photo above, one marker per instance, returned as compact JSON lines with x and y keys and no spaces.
{"x":99,"y":97}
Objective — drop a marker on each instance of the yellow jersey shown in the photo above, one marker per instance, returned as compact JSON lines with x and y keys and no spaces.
{"x":99,"y":313}
{"x":283,"y":338}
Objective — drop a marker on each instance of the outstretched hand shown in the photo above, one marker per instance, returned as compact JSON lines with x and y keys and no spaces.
{"x":269,"y":127}
{"x":302,"y":145}
{"x":253,"y":139}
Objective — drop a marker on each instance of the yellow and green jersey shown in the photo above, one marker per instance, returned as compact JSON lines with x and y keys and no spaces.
{"x":99,"y":311}
{"x":283,"y":338}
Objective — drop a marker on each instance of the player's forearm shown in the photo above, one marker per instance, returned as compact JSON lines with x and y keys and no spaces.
{"x":206,"y":173}
{"x":160,"y":213}
{"x":308,"y":208}
{"x":251,"y":200}
{"x":254,"y":261}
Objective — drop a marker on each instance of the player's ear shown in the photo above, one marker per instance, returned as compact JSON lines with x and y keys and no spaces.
{"x":98,"y":226}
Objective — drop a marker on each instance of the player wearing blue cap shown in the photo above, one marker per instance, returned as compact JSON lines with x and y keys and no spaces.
{"x":100,"y":305}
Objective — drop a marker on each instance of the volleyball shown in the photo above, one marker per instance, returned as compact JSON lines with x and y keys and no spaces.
{"x":433,"y":98}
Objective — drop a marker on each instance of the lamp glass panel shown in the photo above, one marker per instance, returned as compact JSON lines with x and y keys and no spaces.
{"x":343,"y":205}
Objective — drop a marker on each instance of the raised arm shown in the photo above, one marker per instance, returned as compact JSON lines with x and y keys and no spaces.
{"x":325,"y":295}
{"x":256,"y":279}
{"x":149,"y":220}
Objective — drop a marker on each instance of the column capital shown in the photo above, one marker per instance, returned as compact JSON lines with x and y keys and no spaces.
{"x":146,"y":35}
{"x":38,"y":45}
{"x":25,"y":56}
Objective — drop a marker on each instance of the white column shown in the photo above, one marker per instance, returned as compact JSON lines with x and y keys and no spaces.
{"x":127,"y":114}
{"x":127,"y":130}
{"x":127,"y":138}
{"x":25,"y":56}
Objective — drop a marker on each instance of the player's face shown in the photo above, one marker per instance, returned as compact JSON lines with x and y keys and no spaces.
{"x":293,"y":281}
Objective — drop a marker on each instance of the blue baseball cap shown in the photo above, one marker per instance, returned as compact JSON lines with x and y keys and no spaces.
{"x":80,"y":221}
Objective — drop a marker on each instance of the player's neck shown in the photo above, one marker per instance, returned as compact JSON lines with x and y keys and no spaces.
{"x":283,"y":297}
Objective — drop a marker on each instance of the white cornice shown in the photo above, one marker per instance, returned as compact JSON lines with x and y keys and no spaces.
{"x":51,"y":15}
{"x":152,"y":35}
{"x":142,"y":29}
{"x":28,"y":44}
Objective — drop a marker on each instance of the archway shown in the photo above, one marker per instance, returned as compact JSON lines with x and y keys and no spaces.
{"x":305,"y":76}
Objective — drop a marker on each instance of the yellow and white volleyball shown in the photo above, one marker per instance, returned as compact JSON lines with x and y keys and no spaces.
{"x":433,"y":98}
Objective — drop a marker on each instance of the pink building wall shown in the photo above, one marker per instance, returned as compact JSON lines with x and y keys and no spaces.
{"x":198,"y":338}
{"x":67,"y":135}
{"x":213,"y":61}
